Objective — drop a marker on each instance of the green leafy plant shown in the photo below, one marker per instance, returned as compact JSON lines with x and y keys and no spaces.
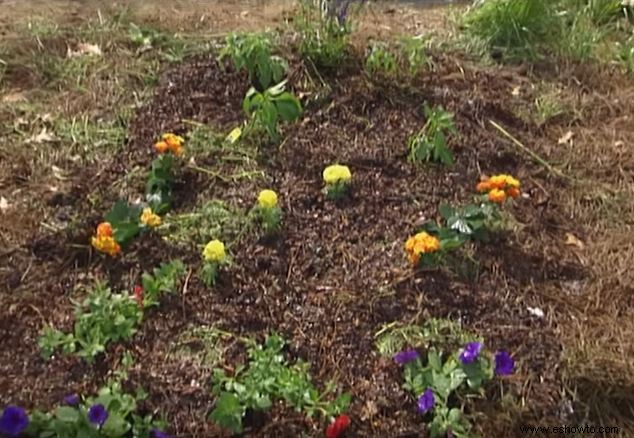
{"x":443,"y":377}
{"x":430,"y":143}
{"x":267,"y":109}
{"x":102,"y":317}
{"x":414,"y":51}
{"x":159,"y":185}
{"x":267,"y":211}
{"x":124,"y":219}
{"x":267,"y":378}
{"x":164,"y":279}
{"x":381,"y":60}
{"x":253,"y":53}
{"x":72,"y":420}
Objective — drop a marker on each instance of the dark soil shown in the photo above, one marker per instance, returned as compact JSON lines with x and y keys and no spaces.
{"x":337,"y":271}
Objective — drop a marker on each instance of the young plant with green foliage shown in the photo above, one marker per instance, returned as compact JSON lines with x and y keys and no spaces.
{"x":266,"y":109}
{"x":381,"y":60}
{"x":253,"y":52}
{"x":268,"y":377}
{"x":414,"y":51}
{"x":214,"y":257}
{"x":103,"y":317}
{"x":268,"y":212}
{"x":158,"y":191}
{"x":430,"y":143}
{"x":440,"y":382}
{"x":110,"y":414}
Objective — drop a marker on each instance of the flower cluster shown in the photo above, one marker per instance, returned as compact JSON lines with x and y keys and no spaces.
{"x":419,"y":245}
{"x":337,"y":178}
{"x":104,"y":240}
{"x":170,"y":142}
{"x":499,"y":188}
{"x":150,"y":219}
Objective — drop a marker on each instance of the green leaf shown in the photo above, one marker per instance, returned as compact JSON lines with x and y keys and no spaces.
{"x":288,"y":107}
{"x":434,"y":360}
{"x":228,"y":412}
{"x":67,"y":414}
{"x":446,"y":211}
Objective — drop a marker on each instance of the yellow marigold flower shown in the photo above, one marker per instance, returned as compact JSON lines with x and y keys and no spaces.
{"x":161,"y":147}
{"x":497,"y":182}
{"x":337,"y":173}
{"x":512,"y":182}
{"x":104,"y":229}
{"x":267,"y":199}
{"x":150,"y":219}
{"x":106,"y":244}
{"x":513,"y":192}
{"x":215,"y":251}
{"x":498,"y":196}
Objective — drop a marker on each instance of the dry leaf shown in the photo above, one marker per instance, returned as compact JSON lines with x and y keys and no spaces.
{"x":58,"y":173}
{"x":84,"y":49}
{"x":14,"y":97}
{"x":566,"y":138}
{"x":4,"y":204}
{"x":573,"y":240}
{"x":42,"y":137}
{"x":516,"y":91}
{"x":535,"y":311}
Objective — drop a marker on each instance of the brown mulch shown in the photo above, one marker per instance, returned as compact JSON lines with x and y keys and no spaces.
{"x":335,"y":274}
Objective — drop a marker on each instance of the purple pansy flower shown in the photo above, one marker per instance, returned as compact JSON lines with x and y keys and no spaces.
{"x":504,"y":363}
{"x":155,"y":433}
{"x":426,"y":401}
{"x":13,"y":421}
{"x":97,"y":414}
{"x":470,"y":352}
{"x":405,"y":356}
{"x":72,"y":400}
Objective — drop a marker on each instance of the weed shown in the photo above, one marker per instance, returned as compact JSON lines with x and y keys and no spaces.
{"x":625,"y":54}
{"x":91,"y":138}
{"x":209,"y":349}
{"x":518,"y":26}
{"x":212,"y":220}
{"x":414,"y":51}
{"x":268,"y":108}
{"x":547,"y":107}
{"x":267,"y":378}
{"x":430,"y":143}
{"x":394,"y":337}
{"x":381,"y":60}
{"x":323,"y":40}
{"x":253,"y":52}
{"x":163,"y":280}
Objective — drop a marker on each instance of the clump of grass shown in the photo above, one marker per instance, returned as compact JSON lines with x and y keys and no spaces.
{"x":547,"y":107}
{"x":520,"y":27}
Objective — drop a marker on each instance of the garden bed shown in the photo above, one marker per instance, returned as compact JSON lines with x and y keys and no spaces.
{"x":336,"y":273}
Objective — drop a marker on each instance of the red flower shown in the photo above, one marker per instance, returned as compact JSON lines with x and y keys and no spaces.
{"x":337,"y":427}
{"x":138,"y":295}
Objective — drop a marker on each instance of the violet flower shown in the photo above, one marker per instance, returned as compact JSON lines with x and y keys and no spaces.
{"x":405,"y":356}
{"x":13,"y":421}
{"x":426,"y":401}
{"x":504,"y":363}
{"x":470,"y":352}
{"x":97,"y":414}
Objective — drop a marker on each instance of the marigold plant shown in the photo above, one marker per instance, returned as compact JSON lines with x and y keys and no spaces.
{"x":422,"y":249}
{"x":337,"y":178}
{"x":214,"y":255}
{"x":267,"y":211}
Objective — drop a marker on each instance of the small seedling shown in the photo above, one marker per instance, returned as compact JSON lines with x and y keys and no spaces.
{"x":430,"y":143}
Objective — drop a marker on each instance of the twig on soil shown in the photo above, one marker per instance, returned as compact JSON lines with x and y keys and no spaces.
{"x":229,"y":178}
{"x":532,"y":154}
{"x":184,"y":291}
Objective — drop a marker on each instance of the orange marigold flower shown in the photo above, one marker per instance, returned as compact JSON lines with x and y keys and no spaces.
{"x":497,"y":182}
{"x":421,"y":243}
{"x":104,"y":229}
{"x":106,"y":244}
{"x":483,"y":186}
{"x":174,"y":143}
{"x":161,"y":147}
{"x":498,"y":196}
{"x":513,"y":192}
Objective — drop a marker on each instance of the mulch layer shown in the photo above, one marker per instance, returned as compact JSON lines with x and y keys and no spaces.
{"x":335,"y":274}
